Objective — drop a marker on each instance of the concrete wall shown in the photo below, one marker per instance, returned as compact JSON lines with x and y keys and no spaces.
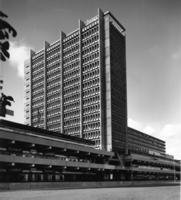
{"x":81,"y":185}
{"x":118,"y":88}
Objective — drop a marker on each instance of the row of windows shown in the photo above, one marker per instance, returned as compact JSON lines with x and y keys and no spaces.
{"x":54,"y":95}
{"x":37,"y":84}
{"x":38,"y":65}
{"x":144,"y":144}
{"x":53,"y":92}
{"x":53,"y":64}
{"x":56,"y":54}
{"x":53,"y":107}
{"x":72,"y":122}
{"x":53,"y":52}
{"x":53,"y":46}
{"x":72,"y":74}
{"x":143,"y":139}
{"x":72,"y":90}
{"x":53,"y":122}
{"x":38,"y":89}
{"x":90,"y":126}
{"x":38,"y":78}
{"x":97,"y":143}
{"x":38,"y":92}
{"x":90,"y":57}
{"x":90,"y":49}
{"x":37,"y":119}
{"x":53,"y":67}
{"x":53,"y":118}
{"x":50,"y":112}
{"x":54,"y":75}
{"x":71,"y":58}
{"x":91,"y":74}
{"x":36,"y":112}
{"x":53,"y":85}
{"x":90,"y":66}
{"x":75,"y":94}
{"x":90,"y":32}
{"x":72,"y":130}
{"x":91,"y":83}
{"x":72,"y":97}
{"x":69,"y":51}
{"x":55,"y":102}
{"x":37,"y":59}
{"x":53,"y":80}
{"x":37,"y":105}
{"x":71,"y":35}
{"x":91,"y":109}
{"x":71,"y":66}
{"x":71,"y":82}
{"x":55,"y":129}
{"x":53,"y":99}
{"x":92,"y":134}
{"x":93,"y":117}
{"x":71,"y":42}
{"x":90,"y":23}
{"x":90,"y":40}
{"x":38,"y":99}
{"x":71,"y":106}
{"x":38,"y":124}
{"x":53,"y":59}
{"x":75,"y":134}
{"x":38,"y":72}
{"x":72,"y":114}
{"x":91,"y":91}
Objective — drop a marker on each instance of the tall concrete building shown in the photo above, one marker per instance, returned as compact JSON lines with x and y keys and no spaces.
{"x":77,"y":85}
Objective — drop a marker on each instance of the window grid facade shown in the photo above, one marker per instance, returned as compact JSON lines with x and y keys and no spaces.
{"x":67,"y":83}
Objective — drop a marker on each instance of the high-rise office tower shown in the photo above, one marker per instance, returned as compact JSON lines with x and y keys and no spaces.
{"x":77,"y":85}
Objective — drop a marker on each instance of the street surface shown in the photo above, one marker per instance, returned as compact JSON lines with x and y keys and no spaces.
{"x":129,"y":193}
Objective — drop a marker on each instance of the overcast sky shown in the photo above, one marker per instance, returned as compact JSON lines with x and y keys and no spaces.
{"x":153,"y":37}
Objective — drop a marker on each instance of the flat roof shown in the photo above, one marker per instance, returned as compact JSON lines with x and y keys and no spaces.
{"x":43,"y":132}
{"x":137,"y":131}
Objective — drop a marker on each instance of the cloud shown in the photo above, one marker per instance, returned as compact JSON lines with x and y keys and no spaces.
{"x":170,"y":133}
{"x":170,"y":130}
{"x":18,"y":54}
{"x":149,"y":130}
{"x":141,"y":126}
{"x":134,"y":124}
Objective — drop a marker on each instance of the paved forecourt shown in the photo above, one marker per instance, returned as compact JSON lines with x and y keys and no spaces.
{"x":129,"y":193}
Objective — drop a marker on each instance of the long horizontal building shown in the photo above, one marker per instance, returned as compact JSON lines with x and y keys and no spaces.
{"x":138,"y":141}
{"x":30,"y":154}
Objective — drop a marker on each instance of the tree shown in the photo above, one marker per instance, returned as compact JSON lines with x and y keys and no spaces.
{"x":5,"y":30}
{"x":4,"y":101}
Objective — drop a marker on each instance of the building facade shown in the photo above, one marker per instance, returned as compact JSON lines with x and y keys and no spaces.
{"x":77,"y":85}
{"x":140,"y":142}
{"x":29,"y":154}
